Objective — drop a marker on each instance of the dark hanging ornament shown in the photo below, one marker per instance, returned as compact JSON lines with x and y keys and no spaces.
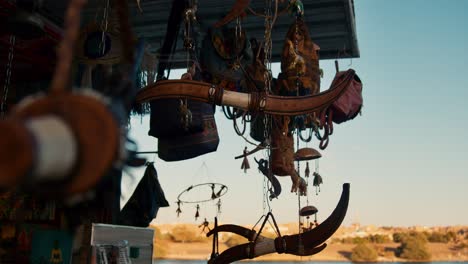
{"x":245,"y":162}
{"x":218,"y":194}
{"x":178,"y":211}
{"x":197,"y":213}
{"x":307,"y":170}
{"x":205,"y":225}
{"x":213,"y":195}
{"x":317,"y":181}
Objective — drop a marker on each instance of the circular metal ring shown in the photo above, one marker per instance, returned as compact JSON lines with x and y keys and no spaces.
{"x":222,"y":191}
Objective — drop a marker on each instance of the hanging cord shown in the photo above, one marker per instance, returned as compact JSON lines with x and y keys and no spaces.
{"x":9,"y":67}
{"x":172,"y":31}
{"x":215,"y":248}
{"x":67,"y":46}
{"x":127,"y":38}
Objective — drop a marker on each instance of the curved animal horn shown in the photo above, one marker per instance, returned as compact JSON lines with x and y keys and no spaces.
{"x":239,"y":230}
{"x":232,"y":254}
{"x":278,"y":105}
{"x":318,"y":235}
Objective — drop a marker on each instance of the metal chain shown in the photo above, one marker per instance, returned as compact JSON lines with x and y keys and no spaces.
{"x":9,"y":67}
{"x":268,"y":46}
{"x":267,"y":90}
{"x":296,"y":50}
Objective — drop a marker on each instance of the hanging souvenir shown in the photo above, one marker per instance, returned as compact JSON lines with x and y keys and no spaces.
{"x":205,"y":226}
{"x":317,"y":182}
{"x":217,"y":191}
{"x":305,"y":243}
{"x":300,"y":72}
{"x":245,"y":162}
{"x":282,"y":155}
{"x":224,"y":52}
{"x":143,"y":205}
{"x":263,"y":167}
{"x":197,"y":213}
{"x":307,"y":211}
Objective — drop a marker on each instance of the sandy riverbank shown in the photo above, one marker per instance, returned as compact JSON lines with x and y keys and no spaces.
{"x":333,"y":252}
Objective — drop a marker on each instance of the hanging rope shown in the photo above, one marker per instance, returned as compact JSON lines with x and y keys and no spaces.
{"x":67,"y":46}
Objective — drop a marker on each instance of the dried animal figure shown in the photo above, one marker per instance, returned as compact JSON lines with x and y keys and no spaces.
{"x":283,"y":158}
{"x":297,"y":62}
{"x":238,"y":10}
{"x":300,"y":55}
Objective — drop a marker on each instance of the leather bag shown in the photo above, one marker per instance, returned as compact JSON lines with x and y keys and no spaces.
{"x":344,"y":108}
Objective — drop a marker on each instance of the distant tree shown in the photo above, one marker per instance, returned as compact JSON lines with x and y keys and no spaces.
{"x":364,"y":253}
{"x":378,"y":239}
{"x":185,"y":234}
{"x":398,"y":237}
{"x":413,"y":247}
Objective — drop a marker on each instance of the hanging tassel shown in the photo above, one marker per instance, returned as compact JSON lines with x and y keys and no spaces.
{"x":197,"y":213}
{"x":317,"y":181}
{"x":245,"y":162}
{"x":307,"y":170}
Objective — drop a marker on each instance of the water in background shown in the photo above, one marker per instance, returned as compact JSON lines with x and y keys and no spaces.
{"x":279,"y":262}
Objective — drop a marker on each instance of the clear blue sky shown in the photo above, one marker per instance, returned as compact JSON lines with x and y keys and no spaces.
{"x":406,"y":157}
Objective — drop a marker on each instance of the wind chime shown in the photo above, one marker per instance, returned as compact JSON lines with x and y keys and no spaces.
{"x":217,"y":191}
{"x":298,"y":64}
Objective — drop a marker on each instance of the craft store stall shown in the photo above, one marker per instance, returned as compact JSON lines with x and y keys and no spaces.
{"x":73,"y":73}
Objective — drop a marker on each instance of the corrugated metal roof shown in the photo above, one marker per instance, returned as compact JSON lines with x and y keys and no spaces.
{"x":331,"y":23}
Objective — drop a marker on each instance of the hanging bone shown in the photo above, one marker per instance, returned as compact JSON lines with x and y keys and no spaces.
{"x":275,"y":191}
